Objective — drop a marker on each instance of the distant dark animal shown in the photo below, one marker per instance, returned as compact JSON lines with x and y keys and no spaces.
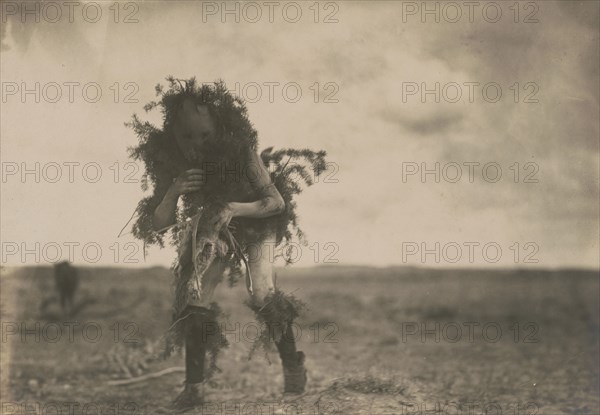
{"x":67,"y":280}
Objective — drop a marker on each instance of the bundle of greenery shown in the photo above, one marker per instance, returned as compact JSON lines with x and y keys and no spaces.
{"x":290,"y":171}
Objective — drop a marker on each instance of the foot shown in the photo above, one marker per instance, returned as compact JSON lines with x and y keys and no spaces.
{"x":191,"y":397}
{"x":294,"y":376}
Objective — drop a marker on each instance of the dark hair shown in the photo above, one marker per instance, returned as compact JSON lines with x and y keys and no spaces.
{"x":228,"y":111}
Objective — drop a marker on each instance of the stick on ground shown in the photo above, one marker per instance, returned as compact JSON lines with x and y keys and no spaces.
{"x":146,"y":377}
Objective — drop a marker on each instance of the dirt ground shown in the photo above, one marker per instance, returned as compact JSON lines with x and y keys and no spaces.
{"x":378,"y":341}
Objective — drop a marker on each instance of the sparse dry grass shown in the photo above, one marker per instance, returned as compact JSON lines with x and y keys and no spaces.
{"x":359,"y":359}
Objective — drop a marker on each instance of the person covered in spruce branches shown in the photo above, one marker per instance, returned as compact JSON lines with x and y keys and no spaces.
{"x":233,"y":212}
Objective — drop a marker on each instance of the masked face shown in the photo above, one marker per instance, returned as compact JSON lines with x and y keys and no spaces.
{"x":193,"y":129}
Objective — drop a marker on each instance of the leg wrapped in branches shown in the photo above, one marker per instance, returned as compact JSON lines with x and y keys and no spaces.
{"x":202,"y":335}
{"x":276,"y":315}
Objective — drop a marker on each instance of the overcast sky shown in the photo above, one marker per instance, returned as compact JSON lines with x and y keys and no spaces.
{"x":368,"y":213}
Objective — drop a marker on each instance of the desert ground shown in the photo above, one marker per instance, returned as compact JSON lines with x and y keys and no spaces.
{"x":378,"y":341}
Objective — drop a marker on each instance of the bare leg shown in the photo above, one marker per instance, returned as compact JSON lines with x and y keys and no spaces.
{"x":261,"y":269}
{"x":274,"y":309}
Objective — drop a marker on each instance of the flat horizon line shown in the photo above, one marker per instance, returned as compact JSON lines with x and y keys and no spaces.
{"x":340,"y":266}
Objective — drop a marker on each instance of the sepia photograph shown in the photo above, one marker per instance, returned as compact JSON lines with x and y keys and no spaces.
{"x":309,"y":207}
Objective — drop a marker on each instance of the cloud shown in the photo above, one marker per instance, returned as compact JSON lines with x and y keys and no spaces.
{"x":368,"y":133}
{"x":435,"y":124}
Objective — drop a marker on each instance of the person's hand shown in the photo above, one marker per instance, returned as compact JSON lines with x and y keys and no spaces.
{"x":223,"y":218}
{"x":189,"y":181}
